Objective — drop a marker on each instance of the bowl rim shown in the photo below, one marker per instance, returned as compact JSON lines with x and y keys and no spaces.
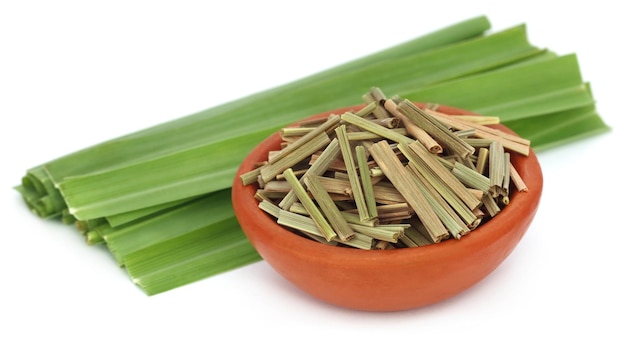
{"x":246,"y":206}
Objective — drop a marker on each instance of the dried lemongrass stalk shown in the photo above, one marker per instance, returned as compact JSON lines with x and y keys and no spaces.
{"x":320,"y":166}
{"x":375,"y":128}
{"x":517,"y":179}
{"x":366,"y":135}
{"x":479,"y":119}
{"x":366,"y":182}
{"x":298,"y":222}
{"x":325,"y":229}
{"x":415,"y":238}
{"x":294,"y":156}
{"x":288,"y":133}
{"x":387,"y":234}
{"x":353,"y":218}
{"x":497,"y":165}
{"x":510,"y":142}
{"x":471,"y":178}
{"x":336,"y":186}
{"x":270,"y":208}
{"x":506,"y":179}
{"x":388,"y":122}
{"x":449,"y":217}
{"x":395,"y":171}
{"x":329,"y":208}
{"x":481,"y":162}
{"x":432,"y":164}
{"x":277,"y":186}
{"x":250,"y":176}
{"x":435,"y":128}
{"x":368,"y":109}
{"x":355,"y":182}
{"x":415,"y":131}
{"x":491,"y":205}
{"x":329,"y":124}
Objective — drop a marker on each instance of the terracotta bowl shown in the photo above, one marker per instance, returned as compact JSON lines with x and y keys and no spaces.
{"x":387,"y":280}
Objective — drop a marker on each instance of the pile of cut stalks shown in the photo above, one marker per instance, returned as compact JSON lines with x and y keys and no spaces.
{"x":389,"y":175}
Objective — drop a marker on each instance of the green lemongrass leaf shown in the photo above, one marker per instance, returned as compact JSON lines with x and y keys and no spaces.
{"x":551,"y":130}
{"x":215,"y":248}
{"x":211,"y":124}
{"x":133,"y":215}
{"x":535,"y":88}
{"x":40,"y":194}
{"x":190,"y":172}
{"x":90,"y":198}
{"x":199,"y":213}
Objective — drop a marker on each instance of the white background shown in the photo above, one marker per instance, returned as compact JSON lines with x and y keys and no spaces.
{"x":73,"y":74}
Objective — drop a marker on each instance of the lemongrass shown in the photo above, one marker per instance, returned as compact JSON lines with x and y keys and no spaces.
{"x":355,"y":182}
{"x":366,"y":182}
{"x":328,"y":208}
{"x":415,"y":131}
{"x":292,"y":157}
{"x":171,"y":158}
{"x":396,"y":173}
{"x":320,"y":221}
{"x":435,"y":128}
{"x":482,"y":161}
{"x":374,"y":128}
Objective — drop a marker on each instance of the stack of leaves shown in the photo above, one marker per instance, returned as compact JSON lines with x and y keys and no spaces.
{"x":158,"y":197}
{"x":390,"y":175}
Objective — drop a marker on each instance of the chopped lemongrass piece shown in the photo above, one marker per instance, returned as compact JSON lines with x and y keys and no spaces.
{"x":506,"y":181}
{"x":457,"y":226}
{"x":483,"y":160}
{"x":395,"y":171}
{"x":369,"y":108}
{"x":432,"y":166}
{"x":329,"y":208}
{"x":295,"y":155}
{"x":448,"y":217}
{"x":388,"y":234}
{"x":325,"y":229}
{"x":517,"y":179}
{"x":366,"y":182}
{"x":374,"y":128}
{"x":415,"y":131}
{"x":366,"y":135}
{"x":354,"y":218}
{"x":497,"y":165}
{"x":471,"y":177}
{"x":510,"y":142}
{"x":416,"y":238}
{"x":355,"y":182}
{"x":308,"y":140}
{"x":465,"y":133}
{"x":299,"y":222}
{"x":322,"y":163}
{"x":491,"y":205}
{"x":435,"y":128}
{"x":478,"y":119}
{"x":290,"y":132}
{"x":270,"y":208}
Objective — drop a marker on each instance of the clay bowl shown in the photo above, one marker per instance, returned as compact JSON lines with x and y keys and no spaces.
{"x":387,"y":280}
